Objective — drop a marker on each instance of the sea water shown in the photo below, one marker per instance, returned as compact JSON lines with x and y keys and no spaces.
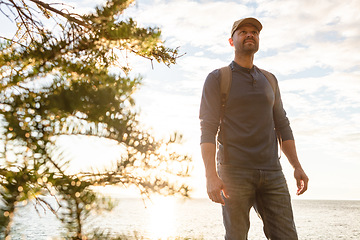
{"x":194,"y":218}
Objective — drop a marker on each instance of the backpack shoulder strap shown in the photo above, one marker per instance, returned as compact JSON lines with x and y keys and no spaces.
{"x":271,"y":78}
{"x":225,"y":84}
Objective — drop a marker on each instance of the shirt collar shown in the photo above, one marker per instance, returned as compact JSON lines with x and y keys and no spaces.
{"x":236,"y":67}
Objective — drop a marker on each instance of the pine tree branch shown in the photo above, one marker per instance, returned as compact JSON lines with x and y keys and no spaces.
{"x":12,"y":41}
{"x":21,"y":14}
{"x":65,"y":15}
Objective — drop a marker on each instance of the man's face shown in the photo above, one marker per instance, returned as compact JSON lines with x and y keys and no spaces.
{"x":245,"y":39}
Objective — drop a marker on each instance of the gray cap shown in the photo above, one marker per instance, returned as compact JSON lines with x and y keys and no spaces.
{"x":252,"y":21}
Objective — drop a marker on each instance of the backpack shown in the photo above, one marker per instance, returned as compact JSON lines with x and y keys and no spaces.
{"x":225,"y":84}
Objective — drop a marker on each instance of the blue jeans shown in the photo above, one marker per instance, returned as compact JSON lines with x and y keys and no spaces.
{"x":264,"y":190}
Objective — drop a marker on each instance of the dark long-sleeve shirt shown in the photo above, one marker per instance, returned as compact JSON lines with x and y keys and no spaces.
{"x":253,"y":112}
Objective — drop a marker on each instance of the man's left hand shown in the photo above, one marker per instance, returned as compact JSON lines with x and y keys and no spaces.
{"x":301,"y":180}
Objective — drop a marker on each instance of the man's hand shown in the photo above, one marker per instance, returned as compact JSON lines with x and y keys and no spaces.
{"x":288,"y":147}
{"x":214,"y":187}
{"x":214,"y":184}
{"x":301,"y":180}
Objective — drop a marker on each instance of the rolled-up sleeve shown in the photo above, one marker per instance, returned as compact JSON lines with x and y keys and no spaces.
{"x":282,"y":123}
{"x":210,"y":108}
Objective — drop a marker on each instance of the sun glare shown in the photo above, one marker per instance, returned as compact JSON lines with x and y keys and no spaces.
{"x":162,"y":218}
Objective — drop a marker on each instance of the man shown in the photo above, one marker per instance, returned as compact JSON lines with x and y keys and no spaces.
{"x":250,"y":175}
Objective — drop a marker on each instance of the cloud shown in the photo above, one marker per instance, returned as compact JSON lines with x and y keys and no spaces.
{"x":301,"y":38}
{"x":338,"y":56}
{"x":197,"y":68}
{"x":200,"y":24}
{"x":297,"y":20}
{"x":293,"y":30}
{"x":341,"y":87}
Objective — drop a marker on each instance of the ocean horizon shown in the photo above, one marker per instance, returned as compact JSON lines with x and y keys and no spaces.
{"x":164,"y":218}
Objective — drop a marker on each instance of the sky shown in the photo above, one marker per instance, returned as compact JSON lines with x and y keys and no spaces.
{"x":313,"y":49}
{"x":311,"y":46}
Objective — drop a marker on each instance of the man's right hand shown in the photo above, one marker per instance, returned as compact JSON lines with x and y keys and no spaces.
{"x":214,"y":184}
{"x":214,"y":187}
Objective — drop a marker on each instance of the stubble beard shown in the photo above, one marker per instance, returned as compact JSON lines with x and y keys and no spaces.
{"x":246,"y":49}
{"x":249,"y":49}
